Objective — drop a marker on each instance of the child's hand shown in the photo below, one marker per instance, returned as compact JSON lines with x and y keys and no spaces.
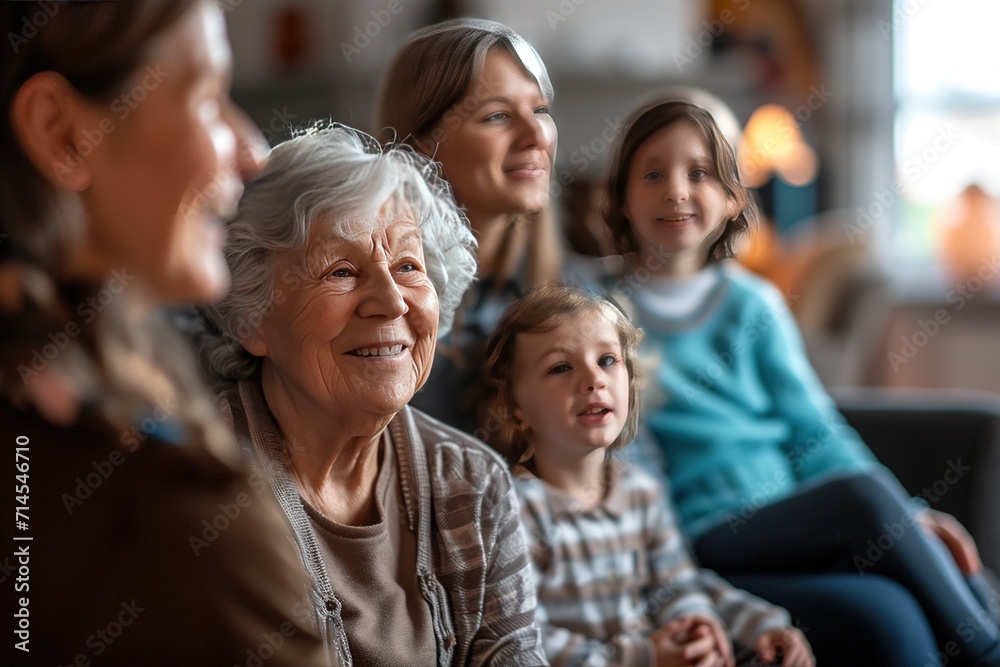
{"x":710,"y":627}
{"x":955,"y":537}
{"x":668,"y":650}
{"x":789,"y":643}
{"x":693,"y":640}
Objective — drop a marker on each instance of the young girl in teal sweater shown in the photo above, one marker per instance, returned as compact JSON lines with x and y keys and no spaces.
{"x":767,"y":478}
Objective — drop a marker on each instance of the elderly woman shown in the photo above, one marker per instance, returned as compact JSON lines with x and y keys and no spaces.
{"x":476,"y":96}
{"x":134,"y":550}
{"x":347,"y":260}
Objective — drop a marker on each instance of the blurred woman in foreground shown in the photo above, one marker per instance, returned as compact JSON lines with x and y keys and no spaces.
{"x":144,"y":543}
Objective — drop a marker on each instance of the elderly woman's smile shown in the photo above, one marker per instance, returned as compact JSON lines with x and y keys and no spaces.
{"x":384,"y":351}
{"x":357,"y":330}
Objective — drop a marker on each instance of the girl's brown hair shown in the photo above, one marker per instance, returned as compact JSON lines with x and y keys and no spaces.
{"x":540,"y":310}
{"x":643,"y":124}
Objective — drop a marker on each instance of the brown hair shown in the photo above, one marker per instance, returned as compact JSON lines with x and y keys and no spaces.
{"x":95,"y":47}
{"x":541,"y":310}
{"x":419,"y":97}
{"x":645,"y":122}
{"x":436,"y":68}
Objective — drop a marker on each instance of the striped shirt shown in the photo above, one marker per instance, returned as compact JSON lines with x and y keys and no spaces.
{"x":608,"y":576}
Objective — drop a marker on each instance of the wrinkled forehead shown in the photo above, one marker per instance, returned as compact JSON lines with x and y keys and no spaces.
{"x":393,"y":222}
{"x":388,"y":232}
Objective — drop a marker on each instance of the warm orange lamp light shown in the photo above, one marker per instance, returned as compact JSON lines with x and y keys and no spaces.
{"x":970,"y":232}
{"x":773,"y":144}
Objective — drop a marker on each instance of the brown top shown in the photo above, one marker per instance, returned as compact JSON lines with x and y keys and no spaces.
{"x":374,"y":570}
{"x":146,"y":552}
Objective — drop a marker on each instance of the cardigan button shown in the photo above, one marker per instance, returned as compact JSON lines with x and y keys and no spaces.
{"x":449,"y":641}
{"x":330,"y":605}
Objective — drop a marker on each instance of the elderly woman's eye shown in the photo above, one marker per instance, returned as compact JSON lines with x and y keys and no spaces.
{"x":340,"y":273}
{"x":409,"y":266}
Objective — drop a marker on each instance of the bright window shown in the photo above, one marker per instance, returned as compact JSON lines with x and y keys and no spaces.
{"x":947,"y":119}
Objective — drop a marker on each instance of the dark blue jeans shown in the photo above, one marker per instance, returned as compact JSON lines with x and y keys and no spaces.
{"x":859,"y":525}
{"x":851,"y":620}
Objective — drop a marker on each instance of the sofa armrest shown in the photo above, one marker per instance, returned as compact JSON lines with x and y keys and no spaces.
{"x":943,"y":445}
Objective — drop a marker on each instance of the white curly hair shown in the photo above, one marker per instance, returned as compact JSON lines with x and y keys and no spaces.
{"x":329,"y":172}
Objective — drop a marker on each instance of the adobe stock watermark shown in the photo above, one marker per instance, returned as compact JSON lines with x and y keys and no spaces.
{"x":278,"y":123}
{"x":786,"y":129}
{"x":87,"y":310}
{"x":632,"y":281}
{"x":30,"y":25}
{"x":894,"y":531}
{"x":901,"y":13}
{"x":271,"y":643}
{"x":925,"y":330}
{"x":768,"y":490}
{"x":462,"y":111}
{"x":586,"y":155}
{"x":121,"y":106}
{"x":365,"y":35}
{"x":696,"y":44}
{"x":228,"y":5}
{"x":724,"y":361}
{"x":492,"y":424}
{"x":546,"y":538}
{"x":229,"y":513}
{"x":104,"y":638}
{"x":914,"y":167}
{"x":979,"y":621}
{"x":562,"y":13}
{"x":101,"y":471}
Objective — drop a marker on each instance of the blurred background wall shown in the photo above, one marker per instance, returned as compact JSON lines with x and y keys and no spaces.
{"x":870,"y":130}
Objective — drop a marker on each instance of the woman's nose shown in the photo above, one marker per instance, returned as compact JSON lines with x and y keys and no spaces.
{"x":383,"y":297}
{"x":537,"y":132}
{"x":251,"y":147}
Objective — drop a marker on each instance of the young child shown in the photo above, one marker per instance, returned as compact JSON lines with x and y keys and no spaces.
{"x":766,"y":477}
{"x":615,"y":583}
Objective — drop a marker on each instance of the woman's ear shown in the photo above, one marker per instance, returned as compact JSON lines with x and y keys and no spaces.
{"x":732,"y":208}
{"x":518,"y":415}
{"x":50,"y":119}
{"x":255,"y":343}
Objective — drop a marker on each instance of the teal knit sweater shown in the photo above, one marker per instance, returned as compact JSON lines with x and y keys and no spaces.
{"x":743,"y":420}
